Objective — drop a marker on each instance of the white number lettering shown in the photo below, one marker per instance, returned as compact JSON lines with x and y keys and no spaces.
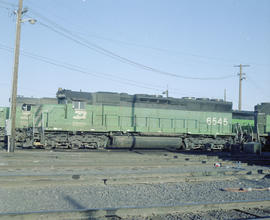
{"x":214,"y":121}
{"x":208,"y":120}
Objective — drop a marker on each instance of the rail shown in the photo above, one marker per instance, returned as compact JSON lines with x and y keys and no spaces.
{"x":123,"y":212}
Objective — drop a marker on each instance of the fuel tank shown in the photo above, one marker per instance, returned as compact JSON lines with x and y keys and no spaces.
{"x":135,"y":142}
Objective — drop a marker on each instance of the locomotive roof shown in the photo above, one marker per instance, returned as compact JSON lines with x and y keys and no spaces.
{"x":35,"y":101}
{"x":248,"y":115}
{"x":144,"y":100}
{"x":263,"y":107}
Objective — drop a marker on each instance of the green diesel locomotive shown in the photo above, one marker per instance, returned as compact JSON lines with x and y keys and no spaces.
{"x":118,"y":120}
{"x":262,"y":123}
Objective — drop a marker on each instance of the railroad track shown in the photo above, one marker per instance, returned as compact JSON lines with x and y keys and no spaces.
{"x":143,"y":212}
{"x":248,"y":159}
{"x":96,"y":168}
{"x":69,"y":183}
{"x":29,"y":168}
{"x":100,"y":179}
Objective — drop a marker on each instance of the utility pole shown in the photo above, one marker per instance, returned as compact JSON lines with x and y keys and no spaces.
{"x":12,"y":141}
{"x":12,"y":115}
{"x":225,"y":95}
{"x":241,"y":78}
{"x":166,"y":92}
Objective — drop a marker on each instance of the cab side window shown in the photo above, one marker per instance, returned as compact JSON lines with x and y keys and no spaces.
{"x":26,"y":107}
{"x":78,"y":105}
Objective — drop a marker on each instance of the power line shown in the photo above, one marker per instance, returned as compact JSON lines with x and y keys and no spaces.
{"x":167,"y":50}
{"x":139,"y":44}
{"x":256,"y":85}
{"x":7,"y":3}
{"x":5,"y":7}
{"x":145,"y":46}
{"x":79,"y":40}
{"x":23,"y":88}
{"x":133,"y":63}
{"x":79,"y":69}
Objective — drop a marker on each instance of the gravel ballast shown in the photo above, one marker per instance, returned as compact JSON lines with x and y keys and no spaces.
{"x":137,"y":195}
{"x":47,"y":181}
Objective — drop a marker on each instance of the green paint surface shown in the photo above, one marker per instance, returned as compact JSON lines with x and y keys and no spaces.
{"x":4,"y":111}
{"x":118,"y":118}
{"x":243,"y":122}
{"x":103,"y":118}
{"x":268,"y":123}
